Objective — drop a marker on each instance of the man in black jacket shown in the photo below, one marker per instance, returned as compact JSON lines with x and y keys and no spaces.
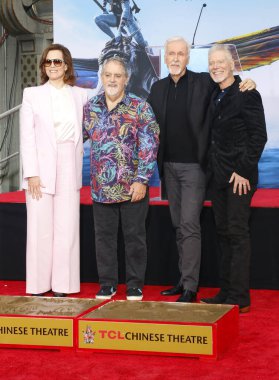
{"x":238,"y":138}
{"x":180,"y":103}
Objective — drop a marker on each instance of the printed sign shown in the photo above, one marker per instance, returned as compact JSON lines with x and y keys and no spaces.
{"x":167,"y":338}
{"x":36,"y":331}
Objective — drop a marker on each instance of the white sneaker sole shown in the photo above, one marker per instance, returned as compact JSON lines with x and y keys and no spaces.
{"x":105,"y":297}
{"x":134,"y":298}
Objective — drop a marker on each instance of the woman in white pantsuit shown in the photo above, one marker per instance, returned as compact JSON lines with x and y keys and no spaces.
{"x":52,"y":152}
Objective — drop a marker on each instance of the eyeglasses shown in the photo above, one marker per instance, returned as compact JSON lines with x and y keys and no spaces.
{"x":57,"y":62}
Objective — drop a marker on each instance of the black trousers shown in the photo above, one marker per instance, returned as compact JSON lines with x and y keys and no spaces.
{"x":106,"y":222}
{"x":232,"y":212}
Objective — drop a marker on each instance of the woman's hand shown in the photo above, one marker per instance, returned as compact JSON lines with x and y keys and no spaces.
{"x":34,"y":187}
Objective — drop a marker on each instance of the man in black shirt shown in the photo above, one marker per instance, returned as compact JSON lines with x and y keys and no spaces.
{"x":180,"y":103}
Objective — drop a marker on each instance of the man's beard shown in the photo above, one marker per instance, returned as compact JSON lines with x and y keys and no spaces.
{"x":112,"y":91}
{"x":175,"y":70}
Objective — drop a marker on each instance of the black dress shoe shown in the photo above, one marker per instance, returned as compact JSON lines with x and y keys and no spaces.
{"x":56,"y":294}
{"x":219,"y":298}
{"x":178,"y":289}
{"x":38,"y":295}
{"x":187,"y":296}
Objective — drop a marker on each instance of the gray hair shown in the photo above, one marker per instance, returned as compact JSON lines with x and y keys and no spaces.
{"x":175,"y":39}
{"x":221,"y":47}
{"x":119,"y":60}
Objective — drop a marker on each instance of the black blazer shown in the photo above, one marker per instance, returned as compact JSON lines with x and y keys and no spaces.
{"x":238,"y":134}
{"x":197,"y":103}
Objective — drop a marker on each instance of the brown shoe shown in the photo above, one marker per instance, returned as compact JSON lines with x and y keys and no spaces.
{"x":244,"y":309}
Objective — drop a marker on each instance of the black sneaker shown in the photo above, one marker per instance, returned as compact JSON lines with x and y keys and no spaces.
{"x":134,"y":294}
{"x":105,"y":293}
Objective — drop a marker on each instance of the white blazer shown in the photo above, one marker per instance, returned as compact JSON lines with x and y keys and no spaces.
{"x":37,"y":136}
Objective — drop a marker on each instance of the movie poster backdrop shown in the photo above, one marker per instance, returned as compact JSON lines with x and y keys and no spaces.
{"x":136,"y":30}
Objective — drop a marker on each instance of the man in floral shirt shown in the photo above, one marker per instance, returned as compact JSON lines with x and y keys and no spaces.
{"x":124,"y":143}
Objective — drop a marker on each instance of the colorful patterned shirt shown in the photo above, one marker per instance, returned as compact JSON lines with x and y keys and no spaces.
{"x":124,"y":145}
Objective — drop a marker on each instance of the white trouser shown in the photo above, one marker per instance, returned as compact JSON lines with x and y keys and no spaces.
{"x":53,"y":253}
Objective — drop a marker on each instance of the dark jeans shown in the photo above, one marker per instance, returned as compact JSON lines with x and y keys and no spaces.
{"x":232,"y":212}
{"x":185,"y":186}
{"x":106,"y":222}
